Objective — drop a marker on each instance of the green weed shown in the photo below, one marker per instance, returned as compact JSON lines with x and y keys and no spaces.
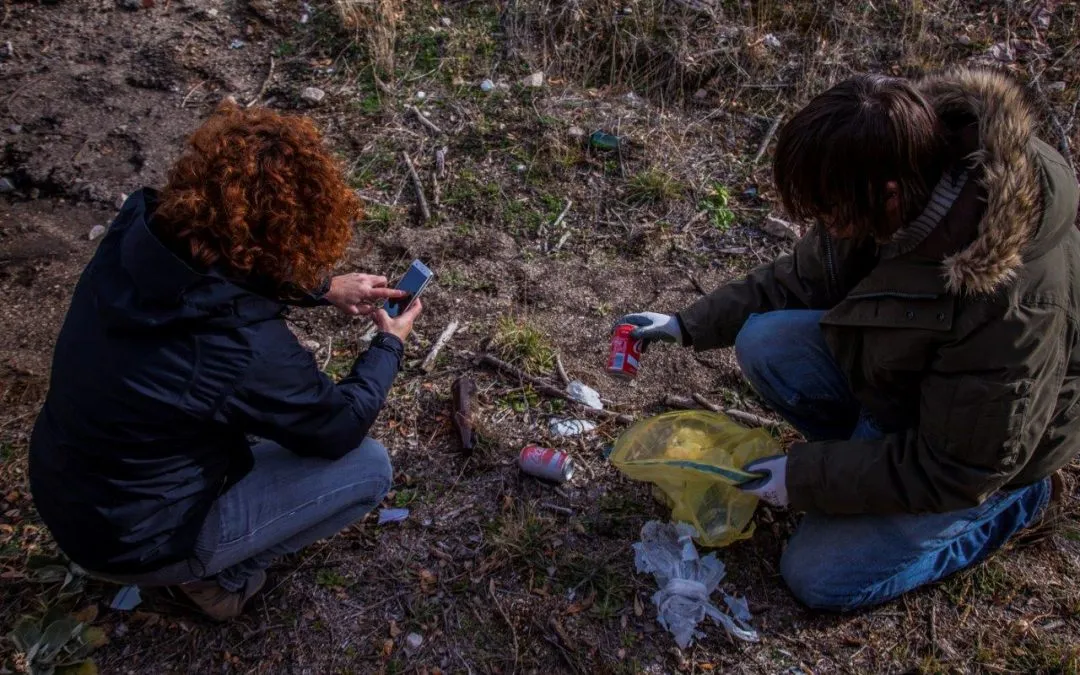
{"x":653,"y":186}
{"x":520,"y":343}
{"x":716,"y":203}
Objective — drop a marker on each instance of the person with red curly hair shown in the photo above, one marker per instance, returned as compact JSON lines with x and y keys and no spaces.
{"x":175,"y":352}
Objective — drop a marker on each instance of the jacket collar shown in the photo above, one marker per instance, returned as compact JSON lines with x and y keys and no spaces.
{"x":1009,"y":175}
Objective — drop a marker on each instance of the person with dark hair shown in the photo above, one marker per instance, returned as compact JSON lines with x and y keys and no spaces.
{"x":175,"y":350}
{"x":923,"y":336}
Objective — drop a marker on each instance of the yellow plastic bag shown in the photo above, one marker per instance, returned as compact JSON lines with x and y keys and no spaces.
{"x":695,"y":458}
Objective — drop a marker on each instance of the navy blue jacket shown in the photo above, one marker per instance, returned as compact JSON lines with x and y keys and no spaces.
{"x":160,"y":373}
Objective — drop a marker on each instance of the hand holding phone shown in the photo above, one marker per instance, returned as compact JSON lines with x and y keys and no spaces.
{"x":400,"y":326}
{"x":413,"y":283}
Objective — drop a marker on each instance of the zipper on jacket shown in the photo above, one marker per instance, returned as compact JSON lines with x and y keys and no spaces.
{"x":830,"y":262}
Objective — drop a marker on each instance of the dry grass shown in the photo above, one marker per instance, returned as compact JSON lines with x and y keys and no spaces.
{"x":375,"y":22}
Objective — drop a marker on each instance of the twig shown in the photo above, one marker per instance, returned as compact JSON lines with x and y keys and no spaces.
{"x":697,"y":285}
{"x":418,"y":186}
{"x":506,"y":618}
{"x":429,"y":360}
{"x":265,"y":84}
{"x":431,"y":126}
{"x":672,"y":401}
{"x":190,"y":92}
{"x":558,"y":509}
{"x":546,"y":388}
{"x":558,"y":221}
{"x":329,"y":351}
{"x":561,"y":370}
{"x":765,"y":141}
{"x":618,"y":148}
{"x":562,"y":240}
{"x":440,"y":161}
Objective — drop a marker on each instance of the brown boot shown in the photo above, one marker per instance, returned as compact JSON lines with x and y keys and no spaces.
{"x":1051,"y":517}
{"x":218,"y":603}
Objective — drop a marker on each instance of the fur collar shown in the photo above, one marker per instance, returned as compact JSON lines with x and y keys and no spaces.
{"x":1009,"y":174}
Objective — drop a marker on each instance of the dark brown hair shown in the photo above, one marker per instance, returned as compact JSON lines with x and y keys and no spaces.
{"x":834,"y":157}
{"x":258,"y":194}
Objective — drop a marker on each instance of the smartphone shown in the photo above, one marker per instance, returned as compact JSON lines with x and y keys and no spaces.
{"x":414,"y":282}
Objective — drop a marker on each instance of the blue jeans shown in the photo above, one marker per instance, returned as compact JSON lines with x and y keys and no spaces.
{"x":842,"y":563}
{"x":285,"y":503}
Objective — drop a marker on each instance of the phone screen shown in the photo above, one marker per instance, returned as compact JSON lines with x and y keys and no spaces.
{"x":414,"y":281}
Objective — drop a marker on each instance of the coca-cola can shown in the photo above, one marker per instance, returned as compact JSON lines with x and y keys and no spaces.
{"x":553,"y":465}
{"x":625,"y":357}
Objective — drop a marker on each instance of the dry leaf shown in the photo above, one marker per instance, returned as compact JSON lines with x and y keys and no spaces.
{"x":638,"y":608}
{"x":87,"y":614}
{"x":394,"y":629}
{"x":428,"y":581}
{"x":387,"y":648}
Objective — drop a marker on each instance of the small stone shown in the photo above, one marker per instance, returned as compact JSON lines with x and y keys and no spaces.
{"x":964,"y":40}
{"x":236,"y":44}
{"x":6,"y":186}
{"x":420,"y":95}
{"x":445,"y":22}
{"x":212,"y":13}
{"x":700,"y":95}
{"x":414,"y":640}
{"x":535,"y":81}
{"x":313,"y":95}
{"x":15,"y":129}
{"x":96,"y":232}
{"x":486,"y":86}
{"x":520,"y":168}
{"x":1055,"y":86}
{"x":575,"y":132}
{"x":130,"y":5}
{"x":634,"y":100}
{"x":627,"y":10}
{"x":771,"y":41}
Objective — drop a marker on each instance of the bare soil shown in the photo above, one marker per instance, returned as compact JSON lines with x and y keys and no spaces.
{"x":96,"y":101}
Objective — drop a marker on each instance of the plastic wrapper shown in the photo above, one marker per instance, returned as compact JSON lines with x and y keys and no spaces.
{"x":695,"y":460}
{"x":686,"y":581}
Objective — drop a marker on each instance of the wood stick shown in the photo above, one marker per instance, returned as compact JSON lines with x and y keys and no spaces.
{"x":549,"y":389}
{"x":558,"y":221}
{"x":329,"y":351}
{"x":418,"y":186}
{"x":765,"y":141}
{"x":561,"y":370}
{"x":699,"y":401}
{"x":265,"y":84}
{"x":431,"y":126}
{"x":697,"y":285}
{"x":448,"y":332}
{"x":558,"y":509}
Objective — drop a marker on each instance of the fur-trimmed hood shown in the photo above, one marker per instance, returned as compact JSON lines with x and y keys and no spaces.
{"x":1009,"y":173}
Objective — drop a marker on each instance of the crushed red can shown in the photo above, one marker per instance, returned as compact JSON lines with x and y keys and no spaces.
{"x":625,"y":357}
{"x":553,"y":465}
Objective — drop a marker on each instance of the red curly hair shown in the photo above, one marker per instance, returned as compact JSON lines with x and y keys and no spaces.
{"x":258,"y":193}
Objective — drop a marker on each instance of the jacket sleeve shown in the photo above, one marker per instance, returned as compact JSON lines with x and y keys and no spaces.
{"x":285,"y":398}
{"x":814,"y":276}
{"x":977,"y":429}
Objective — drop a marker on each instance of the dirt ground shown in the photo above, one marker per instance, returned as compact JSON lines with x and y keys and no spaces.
{"x":496,"y":572}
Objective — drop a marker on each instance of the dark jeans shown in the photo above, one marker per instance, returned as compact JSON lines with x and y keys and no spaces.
{"x":847,"y":562}
{"x":284,"y":504}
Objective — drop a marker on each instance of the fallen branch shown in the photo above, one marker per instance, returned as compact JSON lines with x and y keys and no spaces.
{"x":778,"y":228}
{"x":765,"y":141}
{"x":265,"y":84}
{"x":418,"y":186}
{"x":431,"y":126}
{"x":546,"y":388}
{"x":699,"y":401}
{"x":429,"y":360}
{"x":697,"y":285}
{"x":509,"y":623}
{"x":329,"y":351}
{"x":561,"y":370}
{"x":556,"y":508}
{"x":558,"y":221}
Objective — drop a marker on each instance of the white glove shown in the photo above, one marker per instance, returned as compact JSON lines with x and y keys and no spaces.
{"x":653,"y":326}
{"x":773,"y":486}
